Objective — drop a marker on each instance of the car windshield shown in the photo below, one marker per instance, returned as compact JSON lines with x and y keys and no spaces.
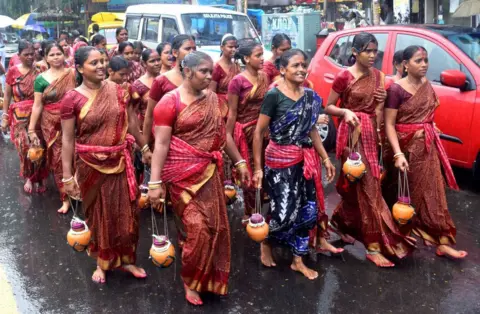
{"x":208,"y":28}
{"x":469,"y":43}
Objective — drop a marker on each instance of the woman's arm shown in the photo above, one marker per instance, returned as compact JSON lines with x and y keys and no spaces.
{"x":163,"y":135}
{"x":134,"y":130}
{"x":68,"y":147}
{"x":6,"y":104}
{"x":36,"y":114}
{"x":390,"y":121}
{"x":213,"y":86}
{"x":262,"y":125}
{"x":232,"y":113}
{"x":148,"y":122}
{"x":349,"y":116}
{"x":318,"y":145}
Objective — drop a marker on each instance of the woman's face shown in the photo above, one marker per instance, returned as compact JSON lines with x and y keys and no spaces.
{"x":27,"y":56}
{"x":255,"y":60}
{"x":118,"y":77}
{"x":187,"y":47}
{"x":37,"y":49}
{"x":201,"y":76}
{"x":229,"y":49}
{"x":296,"y":70}
{"x":64,"y":45}
{"x":106,"y":60}
{"x":166,"y":56}
{"x":285,"y":46}
{"x":122,"y":36}
{"x":93,"y":69}
{"x":399,"y":68}
{"x":418,"y":64}
{"x":102,"y":44}
{"x":367,"y":57}
{"x":55,"y":57}
{"x":137,"y":53}
{"x":128,"y":53}
{"x":153,"y":63}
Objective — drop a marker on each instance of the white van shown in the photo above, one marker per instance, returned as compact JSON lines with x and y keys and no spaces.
{"x":156,"y":23}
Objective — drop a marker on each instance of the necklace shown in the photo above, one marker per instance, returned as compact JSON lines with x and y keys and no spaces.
{"x":415,"y":86}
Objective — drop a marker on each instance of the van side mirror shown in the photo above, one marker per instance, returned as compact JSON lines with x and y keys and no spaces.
{"x":453,"y":78}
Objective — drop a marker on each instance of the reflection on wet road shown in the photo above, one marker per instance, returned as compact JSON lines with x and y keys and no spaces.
{"x":46,"y":276}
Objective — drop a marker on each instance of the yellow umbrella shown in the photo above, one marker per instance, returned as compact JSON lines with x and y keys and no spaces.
{"x":467,"y":8}
{"x":107,"y":17}
{"x":21,"y":21}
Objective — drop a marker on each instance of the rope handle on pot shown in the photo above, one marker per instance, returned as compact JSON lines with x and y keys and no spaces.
{"x":154,"y":220}
{"x":403,"y":188}
{"x":258,"y":201}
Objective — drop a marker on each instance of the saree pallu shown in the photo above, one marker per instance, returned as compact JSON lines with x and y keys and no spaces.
{"x":362,"y":212}
{"x":426,"y":158}
{"x":222,"y":86}
{"x":19,"y":114}
{"x":247,"y":116}
{"x":106,"y":179}
{"x":293,"y":175}
{"x":51,"y":125}
{"x":197,"y":194}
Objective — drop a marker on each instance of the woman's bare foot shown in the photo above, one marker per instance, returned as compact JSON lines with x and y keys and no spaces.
{"x":345,"y":237}
{"x":65,"y":207}
{"x":324,"y":246}
{"x":98,"y":275}
{"x":266,"y":255}
{"x":449,"y":251}
{"x":378,"y":259}
{"x":28,"y":186}
{"x":298,"y":265}
{"x":136,"y":271}
{"x":192,"y":296}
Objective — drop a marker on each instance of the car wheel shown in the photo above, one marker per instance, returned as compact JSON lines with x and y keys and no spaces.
{"x":328,"y":134}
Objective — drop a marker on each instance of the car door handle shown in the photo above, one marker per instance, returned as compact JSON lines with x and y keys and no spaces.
{"x":329,"y":77}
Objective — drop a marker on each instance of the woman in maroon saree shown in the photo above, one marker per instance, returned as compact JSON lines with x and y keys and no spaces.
{"x":50,"y":87}
{"x":415,"y":146}
{"x":280,"y":43}
{"x":127,"y":50}
{"x":165,"y":52}
{"x":189,"y":135}
{"x":96,"y":122}
{"x":245,"y":96}
{"x":362,"y":213}
{"x":16,"y":117}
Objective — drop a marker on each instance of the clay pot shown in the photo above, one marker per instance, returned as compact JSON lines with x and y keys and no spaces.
{"x":402,"y":211}
{"x":354,"y":169}
{"x":78,"y":237}
{"x":35,"y":153}
{"x":1,"y":103}
{"x":162,"y":251}
{"x":230,"y":193}
{"x":143,"y":201}
{"x":257,"y":228}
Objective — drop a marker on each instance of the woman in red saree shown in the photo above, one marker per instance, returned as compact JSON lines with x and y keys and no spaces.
{"x":280,"y":43}
{"x":19,"y":91}
{"x":362,"y":213}
{"x":415,"y":146}
{"x":50,"y":87}
{"x":190,"y":134}
{"x":126,"y":49}
{"x":121,"y":35}
{"x":143,"y":85}
{"x":225,"y":70}
{"x":96,"y":122}
{"x":165,"y":52}
{"x":246,"y":92}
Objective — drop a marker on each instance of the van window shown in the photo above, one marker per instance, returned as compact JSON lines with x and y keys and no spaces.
{"x":109,"y":34}
{"x":150,"y":29}
{"x":208,"y":28}
{"x":132,"y":25}
{"x":169,"y":30}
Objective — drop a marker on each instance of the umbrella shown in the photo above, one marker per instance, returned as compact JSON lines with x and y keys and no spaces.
{"x":6,"y":21}
{"x":35,"y":28}
{"x":467,"y":8}
{"x":21,"y":21}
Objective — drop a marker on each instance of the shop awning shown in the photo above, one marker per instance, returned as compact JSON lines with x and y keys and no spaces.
{"x":107,"y":17}
{"x":467,"y":8}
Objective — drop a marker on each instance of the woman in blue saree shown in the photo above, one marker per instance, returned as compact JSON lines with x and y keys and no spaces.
{"x":292,"y":165}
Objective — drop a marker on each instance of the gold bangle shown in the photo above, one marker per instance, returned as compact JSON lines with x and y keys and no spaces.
{"x":325,"y":160}
{"x":154,"y":186}
{"x":145,"y":148}
{"x":30,"y":132}
{"x":397,"y":155}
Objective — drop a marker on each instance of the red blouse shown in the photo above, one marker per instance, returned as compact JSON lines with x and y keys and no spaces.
{"x":240,"y":86}
{"x":160,"y":86}
{"x":396,"y":95}
{"x":271,"y":70}
{"x":167,"y":109}
{"x":72,"y":104}
{"x":342,"y":80}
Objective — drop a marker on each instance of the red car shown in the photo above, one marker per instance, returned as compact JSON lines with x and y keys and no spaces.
{"x":454,"y":70}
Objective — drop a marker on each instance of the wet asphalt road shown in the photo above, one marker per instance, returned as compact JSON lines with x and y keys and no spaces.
{"x":46,"y":276}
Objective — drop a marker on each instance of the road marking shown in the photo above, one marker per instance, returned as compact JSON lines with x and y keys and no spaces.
{"x":7,"y":301}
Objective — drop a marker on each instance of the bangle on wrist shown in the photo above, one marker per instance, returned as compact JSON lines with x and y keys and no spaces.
{"x":145,"y":148}
{"x":397,"y":155}
{"x":30,"y":132}
{"x":155,"y":182}
{"x":325,"y":160}
{"x":154,"y":186}
{"x":240,"y":162}
{"x":67,"y":180}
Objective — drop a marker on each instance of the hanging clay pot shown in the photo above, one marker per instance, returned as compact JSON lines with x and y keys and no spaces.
{"x":78,"y":237}
{"x":354,"y":169}
{"x":162,"y":251}
{"x":402,"y":211}
{"x":35,"y":153}
{"x":257,"y":228}
{"x":230,"y":192}
{"x":143,"y":201}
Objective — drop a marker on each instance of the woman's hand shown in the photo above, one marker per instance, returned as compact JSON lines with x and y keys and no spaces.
{"x":147,"y":157}
{"x":351,"y":118}
{"x":244,"y":176}
{"x":330,"y":168}
{"x":401,"y":163}
{"x":5,"y":124}
{"x":380,"y":95}
{"x":157,"y":197}
{"x":72,"y":189}
{"x":257,"y":179}
{"x":323,"y":119}
{"x":33,"y":137}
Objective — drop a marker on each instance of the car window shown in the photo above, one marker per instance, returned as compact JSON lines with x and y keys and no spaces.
{"x":169,"y":30}
{"x":339,"y":51}
{"x":382,"y":43}
{"x":132,"y":25}
{"x":150,"y":29}
{"x":438,"y":59}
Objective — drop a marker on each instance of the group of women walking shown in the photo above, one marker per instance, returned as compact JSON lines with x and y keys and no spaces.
{"x":177,"y":112}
